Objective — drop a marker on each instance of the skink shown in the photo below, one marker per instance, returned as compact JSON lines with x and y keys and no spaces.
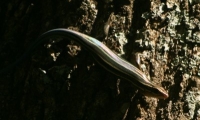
{"x":106,"y":58}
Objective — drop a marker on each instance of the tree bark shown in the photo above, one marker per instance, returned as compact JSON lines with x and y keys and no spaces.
{"x":64,"y":81}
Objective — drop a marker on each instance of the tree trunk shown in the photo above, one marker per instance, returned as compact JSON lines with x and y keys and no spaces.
{"x":64,"y":82}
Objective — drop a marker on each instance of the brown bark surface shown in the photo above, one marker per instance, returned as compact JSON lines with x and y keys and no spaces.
{"x":65,"y":83}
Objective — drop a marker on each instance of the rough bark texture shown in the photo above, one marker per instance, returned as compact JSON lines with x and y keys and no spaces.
{"x":164,"y":35}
